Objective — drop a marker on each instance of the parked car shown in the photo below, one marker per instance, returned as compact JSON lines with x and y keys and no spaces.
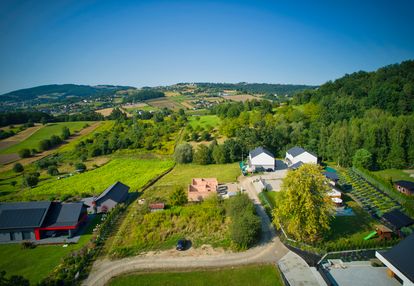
{"x":181,"y":244}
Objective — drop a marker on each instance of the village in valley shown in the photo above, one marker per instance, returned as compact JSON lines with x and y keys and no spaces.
{"x":165,"y":189}
{"x":198,"y":143}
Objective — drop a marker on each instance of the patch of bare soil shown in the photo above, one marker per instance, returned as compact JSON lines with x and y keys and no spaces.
{"x":203,"y":250}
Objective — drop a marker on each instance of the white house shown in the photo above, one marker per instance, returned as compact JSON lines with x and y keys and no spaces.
{"x":399,"y":261}
{"x":297,"y":156}
{"x":261,"y":159}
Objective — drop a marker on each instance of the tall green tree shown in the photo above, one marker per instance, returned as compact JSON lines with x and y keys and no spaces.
{"x":203,"y":155}
{"x":362,"y":158}
{"x":305,"y":209}
{"x":183,"y":154}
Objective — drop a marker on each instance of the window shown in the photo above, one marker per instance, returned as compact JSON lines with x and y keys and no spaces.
{"x":26,"y":235}
{"x":12,"y":236}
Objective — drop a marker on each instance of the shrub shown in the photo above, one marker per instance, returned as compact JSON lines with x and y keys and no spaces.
{"x":80,"y":167}
{"x":44,"y":145}
{"x":24,"y":153}
{"x":178,"y":197}
{"x":27,"y":245}
{"x":18,"y":168}
{"x":183,"y":153}
{"x":65,"y":133}
{"x":52,"y":170}
{"x":31,"y":180}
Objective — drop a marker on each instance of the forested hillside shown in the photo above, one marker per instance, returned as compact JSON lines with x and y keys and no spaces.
{"x":390,"y":89}
{"x":266,"y":88}
{"x":60,"y":91}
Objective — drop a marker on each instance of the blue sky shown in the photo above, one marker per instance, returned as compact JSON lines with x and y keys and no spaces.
{"x":147,"y":43}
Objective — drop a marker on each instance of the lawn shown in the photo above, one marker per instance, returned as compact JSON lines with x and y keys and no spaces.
{"x":204,"y":121}
{"x":35,"y":264}
{"x":260,"y":275}
{"x":350,"y":229}
{"x":182,"y":174}
{"x":395,"y":174}
{"x":44,"y":133}
{"x":133,"y":172}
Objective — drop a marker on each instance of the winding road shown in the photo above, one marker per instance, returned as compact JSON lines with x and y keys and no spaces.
{"x":269,"y":250}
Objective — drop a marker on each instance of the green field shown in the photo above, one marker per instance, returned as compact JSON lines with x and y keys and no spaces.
{"x":204,"y":121}
{"x":104,"y":126}
{"x":132,"y":172}
{"x":395,"y":174}
{"x":44,"y":133}
{"x":181,"y":175}
{"x":259,"y":275}
{"x":35,"y":264}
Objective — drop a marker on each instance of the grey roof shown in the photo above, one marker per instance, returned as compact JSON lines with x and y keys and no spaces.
{"x":63,"y":214}
{"x":296,"y":165}
{"x":401,"y":256}
{"x":296,"y":151}
{"x":331,"y":175}
{"x":398,"y":219}
{"x":23,"y":214}
{"x":406,"y":184}
{"x":117,"y":192}
{"x":259,"y":150}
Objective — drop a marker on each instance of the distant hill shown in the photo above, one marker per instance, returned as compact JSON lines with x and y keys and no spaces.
{"x":264,"y":88}
{"x":60,"y":92}
{"x":390,"y":89}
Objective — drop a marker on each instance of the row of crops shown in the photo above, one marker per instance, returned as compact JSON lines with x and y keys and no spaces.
{"x":369,"y":197}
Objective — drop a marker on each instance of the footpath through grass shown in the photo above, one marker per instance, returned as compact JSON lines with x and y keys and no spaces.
{"x":258,"y":275}
{"x":44,"y":133}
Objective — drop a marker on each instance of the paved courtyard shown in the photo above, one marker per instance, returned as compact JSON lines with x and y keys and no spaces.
{"x":362,"y":273}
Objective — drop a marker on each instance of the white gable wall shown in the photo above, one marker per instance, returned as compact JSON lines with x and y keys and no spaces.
{"x":305,"y":157}
{"x":263,"y":160}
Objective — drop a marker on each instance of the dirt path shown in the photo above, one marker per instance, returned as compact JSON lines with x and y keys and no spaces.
{"x":104,"y":270}
{"x":23,"y":135}
{"x":25,"y":161}
{"x":269,"y":250}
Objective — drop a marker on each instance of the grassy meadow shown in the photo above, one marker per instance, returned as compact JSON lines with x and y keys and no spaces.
{"x":204,"y":121}
{"x":44,"y":133}
{"x":395,"y":174}
{"x":260,"y":275}
{"x":131,"y":171}
{"x":182,"y":174}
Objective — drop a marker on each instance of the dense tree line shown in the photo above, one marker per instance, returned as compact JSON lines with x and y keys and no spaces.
{"x":24,"y":117}
{"x":390,"y":88}
{"x":244,"y":87}
{"x":143,"y":95}
{"x":21,"y":117}
{"x":389,"y":139}
{"x":63,"y":90}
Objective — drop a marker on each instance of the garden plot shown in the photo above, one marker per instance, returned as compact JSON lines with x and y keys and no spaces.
{"x":369,"y":197}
